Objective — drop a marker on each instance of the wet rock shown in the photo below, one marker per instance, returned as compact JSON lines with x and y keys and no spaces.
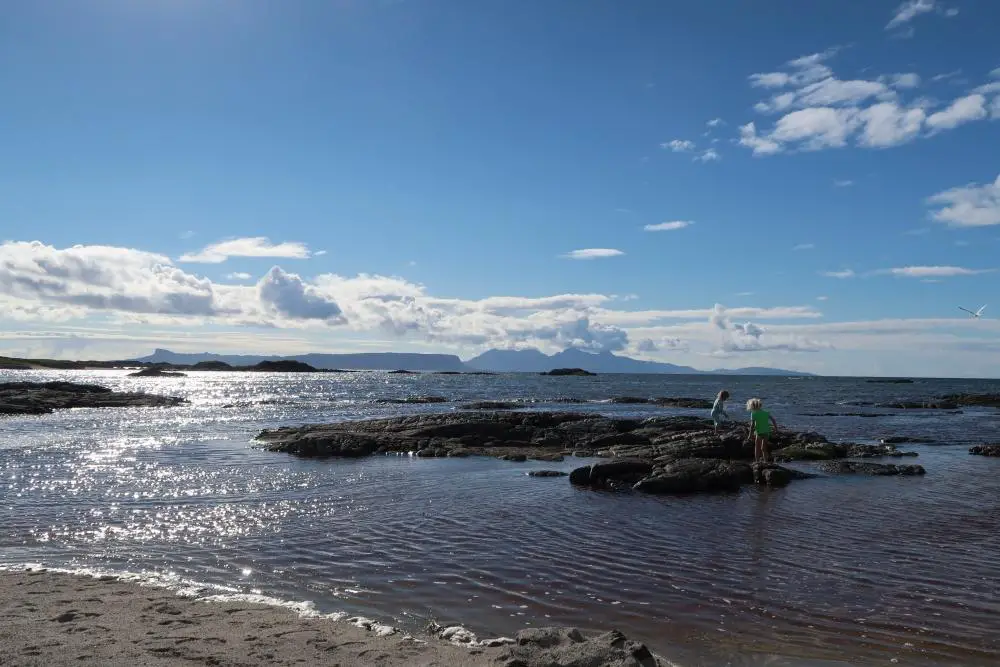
{"x":865,"y":468}
{"x":846,"y":414}
{"x":492,"y":405}
{"x":817,"y":451}
{"x":550,"y":458}
{"x":418,"y":400}
{"x":904,"y":439}
{"x":875,"y":451}
{"x":39,"y":398}
{"x":980,"y":400}
{"x":613,"y":473}
{"x":547,"y":473}
{"x":516,"y":458}
{"x":566,"y":647}
{"x":630,"y":400}
{"x":985,"y":450}
{"x":773,"y":475}
{"x":695,"y":476}
{"x":687,"y":403}
{"x":889,"y":381}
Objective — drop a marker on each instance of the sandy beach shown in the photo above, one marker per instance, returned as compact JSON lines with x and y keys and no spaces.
{"x":61,"y":619}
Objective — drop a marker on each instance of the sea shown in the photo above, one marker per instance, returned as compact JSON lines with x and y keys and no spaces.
{"x":837,"y":570}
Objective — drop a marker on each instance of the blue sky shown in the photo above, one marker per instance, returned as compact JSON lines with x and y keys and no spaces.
{"x":380,"y":173}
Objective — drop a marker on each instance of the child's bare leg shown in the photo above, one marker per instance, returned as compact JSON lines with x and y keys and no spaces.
{"x":765,"y":449}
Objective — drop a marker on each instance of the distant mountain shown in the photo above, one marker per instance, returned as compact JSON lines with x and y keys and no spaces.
{"x":534,"y":361}
{"x":387,"y":361}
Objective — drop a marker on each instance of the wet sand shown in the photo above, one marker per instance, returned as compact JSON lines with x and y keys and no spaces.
{"x":49,"y":618}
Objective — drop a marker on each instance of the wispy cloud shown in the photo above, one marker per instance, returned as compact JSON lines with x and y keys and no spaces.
{"x":932,"y":271}
{"x":971,"y":205}
{"x":710,"y":155}
{"x":668,"y":226}
{"x":186,"y":234}
{"x":822,"y":298}
{"x":715,"y":122}
{"x":946,"y":75}
{"x":678,"y":145}
{"x":319,"y":253}
{"x":846,"y":273}
{"x":239,"y":276}
{"x":963,"y":110}
{"x":846,"y":183}
{"x":908,"y":11}
{"x":593,"y":253}
{"x":257,"y":246}
{"x":805,"y":246}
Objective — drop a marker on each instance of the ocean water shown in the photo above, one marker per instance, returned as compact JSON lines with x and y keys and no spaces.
{"x":835,"y":570}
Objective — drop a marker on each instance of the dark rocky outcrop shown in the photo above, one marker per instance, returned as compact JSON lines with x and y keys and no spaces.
{"x":39,"y":398}
{"x":284,"y":366}
{"x":212,"y":366}
{"x":568,"y":371}
{"x":865,"y":468}
{"x":547,"y":473}
{"x":402,"y":372}
{"x":156,"y":372}
{"x":418,"y":400}
{"x":985,"y":450}
{"x":846,"y":414}
{"x":568,"y":647}
{"x":678,"y":454}
{"x":889,"y":381}
{"x":921,"y":404}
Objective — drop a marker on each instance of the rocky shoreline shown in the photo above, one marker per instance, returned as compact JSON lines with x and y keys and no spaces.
{"x":660,"y":455}
{"x":41,"y":398}
{"x":53,"y":619}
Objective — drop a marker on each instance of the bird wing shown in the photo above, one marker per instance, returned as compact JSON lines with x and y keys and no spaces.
{"x":966,"y":310}
{"x":980,"y":311}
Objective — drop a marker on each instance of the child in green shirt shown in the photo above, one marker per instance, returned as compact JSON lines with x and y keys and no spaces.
{"x":762,"y":425}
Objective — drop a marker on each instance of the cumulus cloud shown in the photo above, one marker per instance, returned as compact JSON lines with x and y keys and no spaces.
{"x":257,"y":246}
{"x":679,"y":145}
{"x":971,"y":205}
{"x":710,"y":155}
{"x":668,"y":226}
{"x":750,"y":337}
{"x":287,"y":294}
{"x":817,"y":110}
{"x":593,"y":253}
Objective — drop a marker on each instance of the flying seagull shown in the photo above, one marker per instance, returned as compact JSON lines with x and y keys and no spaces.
{"x":977,"y":314}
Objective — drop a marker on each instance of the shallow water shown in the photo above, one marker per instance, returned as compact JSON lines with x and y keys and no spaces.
{"x":855,"y":570}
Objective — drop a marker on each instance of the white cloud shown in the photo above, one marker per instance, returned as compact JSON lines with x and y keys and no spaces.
{"x":904,"y":80}
{"x":908,"y":11}
{"x":932,"y":271}
{"x":750,"y":337}
{"x":946,"y":75}
{"x":816,"y":128}
{"x":186,"y":235}
{"x":593,"y":253}
{"x":846,"y":183}
{"x":319,"y":253}
{"x":887,"y":124}
{"x":287,"y":294}
{"x":710,"y":155}
{"x":239,"y":276}
{"x":805,"y":246}
{"x":257,"y":246}
{"x":846,"y":273}
{"x":760,"y":145}
{"x":821,"y":111}
{"x":995,"y":73}
{"x":988,"y":88}
{"x":971,"y":205}
{"x":679,"y":145}
{"x":715,"y":122}
{"x":961,"y":111}
{"x":668,"y":226}
{"x":995,"y":108}
{"x":822,"y":298}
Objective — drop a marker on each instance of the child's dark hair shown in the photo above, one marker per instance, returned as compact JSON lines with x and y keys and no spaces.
{"x":724,"y":395}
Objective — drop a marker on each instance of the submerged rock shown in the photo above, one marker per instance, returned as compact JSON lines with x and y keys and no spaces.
{"x":923,"y":404}
{"x":985,"y":450}
{"x":865,"y":468}
{"x":418,"y":400}
{"x":665,"y":402}
{"x":492,"y":405}
{"x":981,"y":400}
{"x":547,"y":473}
{"x":696,"y":475}
{"x":39,"y":398}
{"x":904,"y":439}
